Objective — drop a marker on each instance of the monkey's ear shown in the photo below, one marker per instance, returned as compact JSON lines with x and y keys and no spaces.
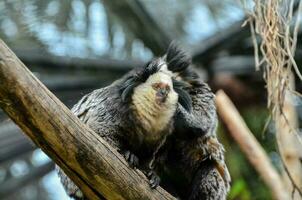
{"x":180,"y":84}
{"x":184,"y":97}
{"x":127,"y":88}
{"x":191,"y":77}
{"x":177,"y":59}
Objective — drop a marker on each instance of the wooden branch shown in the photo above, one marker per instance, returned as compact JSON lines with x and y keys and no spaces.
{"x":90,"y":162}
{"x":250,"y":146}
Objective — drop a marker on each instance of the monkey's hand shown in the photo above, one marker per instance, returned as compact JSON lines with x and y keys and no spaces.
{"x":154,"y":179}
{"x":133,"y":161}
{"x":131,"y":158}
{"x":201,"y":119}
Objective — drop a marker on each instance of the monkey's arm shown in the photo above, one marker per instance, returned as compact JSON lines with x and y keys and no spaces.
{"x":202,"y":118}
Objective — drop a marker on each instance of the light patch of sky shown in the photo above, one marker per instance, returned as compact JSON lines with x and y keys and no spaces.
{"x":39,"y":158}
{"x":51,"y":182}
{"x":19,"y":168}
{"x":58,"y":42}
{"x":9,"y":27}
{"x":98,"y":34}
{"x":118,"y":41}
{"x":232,"y":13}
{"x":52,"y":8}
{"x":139,"y":50}
{"x":80,"y":39}
{"x":78,"y":23}
{"x":81,"y":42}
{"x":54,"y":187}
{"x":200,"y":24}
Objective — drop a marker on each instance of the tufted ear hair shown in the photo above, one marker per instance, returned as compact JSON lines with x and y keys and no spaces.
{"x":191,"y":77}
{"x":128,"y":87}
{"x":184,"y":97}
{"x":149,"y":69}
{"x":140,"y":75}
{"x":177,"y":59}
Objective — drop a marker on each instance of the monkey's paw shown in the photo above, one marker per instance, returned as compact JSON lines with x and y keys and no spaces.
{"x":131,"y":158}
{"x":154,"y":179}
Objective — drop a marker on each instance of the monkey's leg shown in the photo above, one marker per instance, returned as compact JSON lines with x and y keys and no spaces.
{"x":212,"y":179}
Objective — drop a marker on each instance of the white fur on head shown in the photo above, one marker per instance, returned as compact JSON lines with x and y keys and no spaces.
{"x":153,"y":116}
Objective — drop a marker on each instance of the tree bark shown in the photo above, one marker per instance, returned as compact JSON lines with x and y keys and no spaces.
{"x":87,"y":159}
{"x":250,"y":146}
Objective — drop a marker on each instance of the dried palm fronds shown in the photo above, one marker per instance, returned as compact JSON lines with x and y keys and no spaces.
{"x":273,"y":21}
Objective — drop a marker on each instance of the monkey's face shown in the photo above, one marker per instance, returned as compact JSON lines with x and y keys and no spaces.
{"x":157,"y":90}
{"x":162,"y":81}
{"x":154,"y":102}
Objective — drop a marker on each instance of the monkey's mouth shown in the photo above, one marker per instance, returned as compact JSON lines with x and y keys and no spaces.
{"x":161,"y":96}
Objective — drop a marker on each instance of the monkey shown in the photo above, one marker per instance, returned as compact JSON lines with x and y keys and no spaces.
{"x":134,"y":114}
{"x":191,"y":162}
{"x":160,"y":116}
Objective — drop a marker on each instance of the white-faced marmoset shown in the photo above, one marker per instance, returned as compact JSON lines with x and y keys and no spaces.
{"x":162,"y":118}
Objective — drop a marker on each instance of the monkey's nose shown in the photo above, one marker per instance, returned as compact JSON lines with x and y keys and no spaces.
{"x":162,"y":89}
{"x":162,"y":92}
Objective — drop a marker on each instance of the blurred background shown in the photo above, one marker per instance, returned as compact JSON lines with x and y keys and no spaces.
{"x":75,"y":46}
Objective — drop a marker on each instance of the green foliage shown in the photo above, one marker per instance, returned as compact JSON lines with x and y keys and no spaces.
{"x":239,"y":190}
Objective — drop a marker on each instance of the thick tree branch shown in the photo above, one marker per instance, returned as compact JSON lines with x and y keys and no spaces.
{"x":92,"y":163}
{"x":250,"y":146}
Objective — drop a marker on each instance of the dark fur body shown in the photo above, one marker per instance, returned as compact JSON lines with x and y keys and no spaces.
{"x":192,"y":160}
{"x":188,"y":156}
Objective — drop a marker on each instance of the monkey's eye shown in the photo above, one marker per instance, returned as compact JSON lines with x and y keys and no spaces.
{"x":167,"y":88}
{"x":156,"y":86}
{"x":161,"y":86}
